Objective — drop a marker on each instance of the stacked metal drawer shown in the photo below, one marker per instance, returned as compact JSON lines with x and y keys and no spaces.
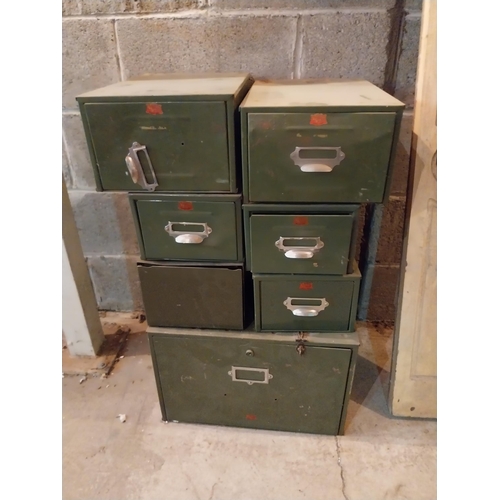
{"x":313,"y":151}
{"x":176,"y":137}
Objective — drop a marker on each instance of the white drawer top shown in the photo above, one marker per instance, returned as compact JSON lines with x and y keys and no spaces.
{"x":310,"y":93}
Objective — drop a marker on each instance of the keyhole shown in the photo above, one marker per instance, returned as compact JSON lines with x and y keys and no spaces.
{"x":182,"y":144}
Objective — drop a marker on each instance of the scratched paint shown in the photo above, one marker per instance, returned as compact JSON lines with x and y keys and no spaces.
{"x":300,"y":221}
{"x":318,"y":119}
{"x":185,"y":205}
{"x":153,"y":108}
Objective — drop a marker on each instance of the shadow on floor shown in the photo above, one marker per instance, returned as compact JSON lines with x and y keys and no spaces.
{"x":370,"y":387}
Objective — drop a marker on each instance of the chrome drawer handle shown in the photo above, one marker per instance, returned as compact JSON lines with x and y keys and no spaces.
{"x":299,"y":252}
{"x":305,"y":310}
{"x":317,"y":164}
{"x":237,"y":374}
{"x":188,"y":237}
{"x":135,"y":168}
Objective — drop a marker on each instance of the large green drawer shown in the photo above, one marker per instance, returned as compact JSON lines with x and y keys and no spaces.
{"x":306,"y":302}
{"x":189,"y":227}
{"x":318,"y":141}
{"x":168,"y":133}
{"x":195,"y":295}
{"x":297,"y":240}
{"x":346,"y":160}
{"x":287,"y":382}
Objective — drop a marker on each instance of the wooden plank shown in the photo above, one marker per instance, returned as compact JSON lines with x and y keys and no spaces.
{"x":80,"y":318}
{"x":414,"y":368}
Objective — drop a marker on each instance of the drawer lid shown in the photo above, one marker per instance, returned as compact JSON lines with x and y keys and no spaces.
{"x":326,"y":339}
{"x":319,"y":94}
{"x":173,"y":85}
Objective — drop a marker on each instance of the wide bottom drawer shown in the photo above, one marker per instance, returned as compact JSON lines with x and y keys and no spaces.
{"x":281,"y":382}
{"x":195,"y":296}
{"x":306,"y":302}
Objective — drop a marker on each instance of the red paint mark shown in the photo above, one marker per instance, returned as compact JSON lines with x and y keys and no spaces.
{"x":318,"y":119}
{"x":266,"y":125}
{"x":154,"y":109}
{"x":306,"y":286}
{"x":250,"y":416}
{"x":300,"y":221}
{"x":185,"y":205}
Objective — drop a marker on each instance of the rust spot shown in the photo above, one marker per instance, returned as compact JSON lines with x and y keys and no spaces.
{"x":185,"y":205}
{"x":152,"y":108}
{"x":300,"y":221}
{"x":318,"y":119}
{"x":251,"y":416}
{"x":306,"y":286}
{"x":266,"y":125}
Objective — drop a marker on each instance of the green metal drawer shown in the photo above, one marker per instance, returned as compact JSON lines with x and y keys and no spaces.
{"x":166,"y":134}
{"x":188,"y":227}
{"x":318,"y":141}
{"x":295,"y":239}
{"x":306,"y":302}
{"x":195,"y":296}
{"x":344,"y":161}
{"x":295,"y":383}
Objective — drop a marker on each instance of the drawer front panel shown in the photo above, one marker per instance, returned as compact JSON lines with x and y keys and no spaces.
{"x":300,"y":243}
{"x":304,"y":303}
{"x":333,"y":157}
{"x":205,"y":380}
{"x":193,"y":297}
{"x":188,"y":230}
{"x":187,"y":144}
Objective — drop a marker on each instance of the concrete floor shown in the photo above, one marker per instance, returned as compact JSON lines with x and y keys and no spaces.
{"x":379,"y":457}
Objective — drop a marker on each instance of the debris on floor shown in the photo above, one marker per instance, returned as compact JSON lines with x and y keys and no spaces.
{"x":122,"y":417}
{"x":83,"y":379}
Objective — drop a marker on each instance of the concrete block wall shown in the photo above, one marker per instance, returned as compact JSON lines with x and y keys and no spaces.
{"x":105,"y":41}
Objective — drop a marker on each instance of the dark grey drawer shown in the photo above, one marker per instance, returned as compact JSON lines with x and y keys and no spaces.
{"x":195,"y":296}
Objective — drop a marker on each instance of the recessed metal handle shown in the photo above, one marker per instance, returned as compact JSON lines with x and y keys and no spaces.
{"x":305,"y":310}
{"x":135,"y":168}
{"x":189,"y":237}
{"x":297,"y":251}
{"x":252,"y":375}
{"x":317,"y":164}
